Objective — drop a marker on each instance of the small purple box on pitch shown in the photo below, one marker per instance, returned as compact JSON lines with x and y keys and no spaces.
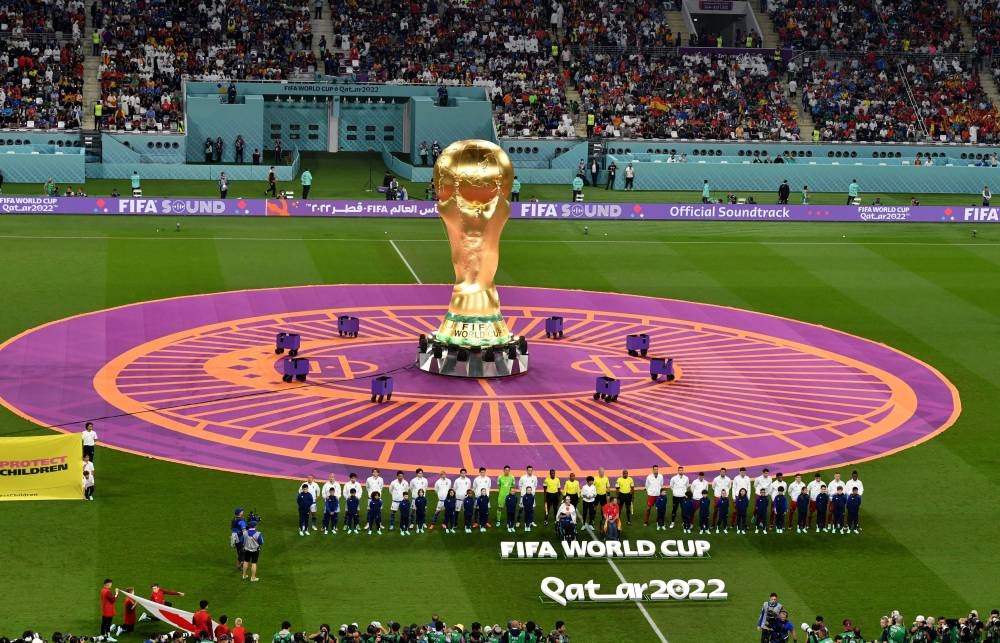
{"x":662,"y":366}
{"x":287,"y":342}
{"x":637,"y":344}
{"x":554,"y":327}
{"x":348,"y":326}
{"x":381,"y":388}
{"x":296,"y":368}
{"x":607,"y":388}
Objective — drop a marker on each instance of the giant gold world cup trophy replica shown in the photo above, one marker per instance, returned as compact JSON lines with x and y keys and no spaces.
{"x":473,"y":181}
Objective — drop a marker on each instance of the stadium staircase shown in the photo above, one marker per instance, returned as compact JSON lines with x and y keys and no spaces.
{"x":675,"y":20}
{"x":770,"y":35}
{"x":985,"y":74}
{"x":322,"y":27}
{"x":91,"y":79}
{"x":580,"y":123}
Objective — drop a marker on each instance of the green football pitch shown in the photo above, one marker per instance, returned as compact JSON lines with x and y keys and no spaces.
{"x":928,"y":290}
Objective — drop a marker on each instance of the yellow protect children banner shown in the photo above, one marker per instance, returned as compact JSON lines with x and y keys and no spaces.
{"x":48,"y":467}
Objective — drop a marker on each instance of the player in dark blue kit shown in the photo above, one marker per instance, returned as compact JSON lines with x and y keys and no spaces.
{"x":510,"y":504}
{"x":305,"y":501}
{"x":483,"y":509}
{"x":468,"y":510}
{"x":742,"y":505}
{"x":704,"y":512}
{"x":839,"y":501}
{"x":722,"y":512}
{"x":780,"y":509}
{"x":822,"y":504}
{"x":420,"y":509}
{"x":331,"y":511}
{"x":760,"y":512}
{"x":687,"y":511}
{"x":450,"y":512}
{"x":375,"y":513}
{"x":662,"y":501}
{"x":528,"y":503}
{"x":404,"y":514}
{"x":802,"y":506}
{"x":853,"y":510}
{"x":352,"y":516}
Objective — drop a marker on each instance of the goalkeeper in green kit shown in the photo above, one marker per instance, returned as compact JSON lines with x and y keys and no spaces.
{"x":504,"y":484}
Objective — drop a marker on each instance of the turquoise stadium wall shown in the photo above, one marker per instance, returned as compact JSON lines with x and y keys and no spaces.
{"x":23,"y":165}
{"x":206,"y":116}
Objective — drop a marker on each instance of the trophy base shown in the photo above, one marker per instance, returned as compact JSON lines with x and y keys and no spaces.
{"x":504,"y":360}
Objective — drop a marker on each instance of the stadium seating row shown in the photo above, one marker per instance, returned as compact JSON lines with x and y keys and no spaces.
{"x":530,"y":57}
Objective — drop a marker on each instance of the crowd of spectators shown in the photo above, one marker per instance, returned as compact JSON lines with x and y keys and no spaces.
{"x":919,"y":26}
{"x":737,"y":97}
{"x":41,"y":80}
{"x":893,"y":98}
{"x":888,"y":71}
{"x":147,"y":45}
{"x":621,"y":58}
{"x":505,"y":46}
{"x":43,"y":17}
{"x":952,"y":102}
{"x":861,"y":98}
{"x":984,"y":19}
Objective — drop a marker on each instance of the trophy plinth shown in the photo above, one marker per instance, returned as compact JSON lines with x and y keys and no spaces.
{"x":473,"y":181}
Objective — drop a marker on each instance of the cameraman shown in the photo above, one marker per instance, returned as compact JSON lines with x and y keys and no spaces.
{"x":768,"y":617}
{"x":976,"y":625}
{"x":236,"y":527}
{"x":780,"y":629}
{"x":323,"y":636}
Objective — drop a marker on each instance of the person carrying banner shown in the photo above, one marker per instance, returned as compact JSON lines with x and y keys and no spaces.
{"x":108,"y":598}
{"x":157,"y":594}
{"x":128,"y":612}
{"x":89,"y":437}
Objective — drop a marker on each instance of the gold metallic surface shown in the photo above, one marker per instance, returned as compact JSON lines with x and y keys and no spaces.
{"x":473,"y":179}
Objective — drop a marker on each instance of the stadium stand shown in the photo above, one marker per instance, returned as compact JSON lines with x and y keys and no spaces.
{"x":41,"y":64}
{"x":687,"y":96}
{"x":504,"y":46}
{"x":146,"y":48}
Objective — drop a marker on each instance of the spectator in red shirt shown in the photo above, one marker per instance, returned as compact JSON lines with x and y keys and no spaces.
{"x":202,"y":620}
{"x":108,"y":598}
{"x":239,"y":632}
{"x":222,"y":629}
{"x":128,"y":614}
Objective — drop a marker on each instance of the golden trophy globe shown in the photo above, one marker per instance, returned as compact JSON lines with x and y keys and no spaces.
{"x":473,"y":180}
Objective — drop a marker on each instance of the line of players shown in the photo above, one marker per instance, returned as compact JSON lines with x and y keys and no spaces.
{"x":775,"y":502}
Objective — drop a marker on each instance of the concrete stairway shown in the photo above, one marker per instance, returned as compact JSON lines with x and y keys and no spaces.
{"x":581,"y":118}
{"x":675,"y":20}
{"x":985,"y":75}
{"x":322,"y":27}
{"x":768,"y":32}
{"x":91,"y":79}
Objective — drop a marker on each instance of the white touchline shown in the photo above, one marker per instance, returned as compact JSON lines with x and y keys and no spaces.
{"x":666,"y":242}
{"x":405,"y":262}
{"x":638,"y":603}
